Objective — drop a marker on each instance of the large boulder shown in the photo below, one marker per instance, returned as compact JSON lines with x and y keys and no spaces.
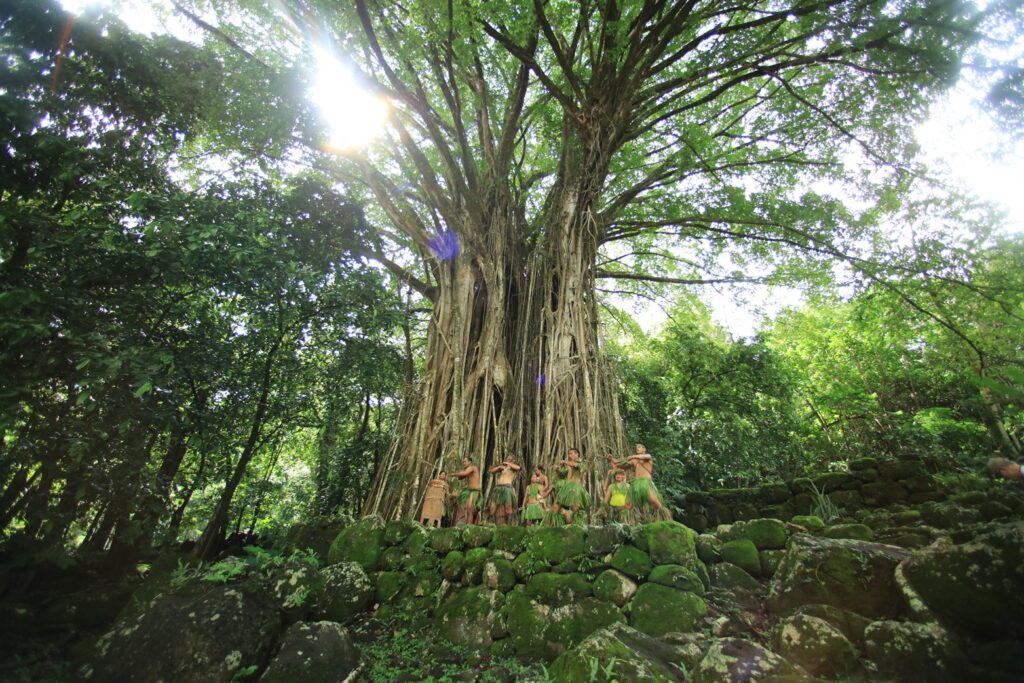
{"x":510,"y":539}
{"x":735,"y":660}
{"x":614,"y":587}
{"x":446,"y":540}
{"x":975,"y":586}
{"x":477,"y":536}
{"x":909,"y":652}
{"x":363,"y":542}
{"x":557,"y":544}
{"x":743,"y":553}
{"x":632,"y":562}
{"x":618,"y":653}
{"x":678,"y":577}
{"x":498,"y":574}
{"x":815,"y":645}
{"x":347,"y":591}
{"x":850,"y":624}
{"x":765,"y":534}
{"x":657,"y":610}
{"x":670,"y":543}
{"x":849,"y":574}
{"x":558,"y":589}
{"x":206,"y":634}
{"x":313,"y":652}
{"x":730,"y":577}
{"x":468,"y":616}
{"x":541,"y":632}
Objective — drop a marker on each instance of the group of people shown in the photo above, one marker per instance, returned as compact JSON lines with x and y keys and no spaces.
{"x":556,"y":500}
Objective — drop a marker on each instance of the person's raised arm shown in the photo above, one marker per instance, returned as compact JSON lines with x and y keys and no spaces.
{"x":512,"y":466}
{"x":496,"y":468}
{"x":462,"y":474}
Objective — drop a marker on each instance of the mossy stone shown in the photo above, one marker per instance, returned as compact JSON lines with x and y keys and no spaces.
{"x":363,"y":542}
{"x":571,"y":624}
{"x":511,"y":539}
{"x":417,"y":564}
{"x":503,"y":649}
{"x":475,"y":536}
{"x":773,"y":493}
{"x":908,"y":651}
{"x":736,"y":659}
{"x":347,"y":592}
{"x":861,"y":464}
{"x":313,"y":652}
{"x":425,"y":585}
{"x":743,"y":553}
{"x":474,"y":564}
{"x":881,"y":493}
{"x":616,"y":653}
{"x":397,"y":530}
{"x":809,"y":522}
{"x":765,"y":534}
{"x":558,"y":589}
{"x":850,"y":624}
{"x":614,"y":587}
{"x":678,"y":577}
{"x":389,"y":585}
{"x":446,"y":540}
{"x":814,"y":645}
{"x":417,"y":542}
{"x":453,"y":565}
{"x":670,"y":543}
{"x":770,"y":560}
{"x":901,"y":469}
{"x":391,"y":559}
{"x":858,"y":532}
{"x":730,"y":577}
{"x":466,"y":617}
{"x":526,"y":621}
{"x":602,"y":540}
{"x":708,"y":549}
{"x":632,"y":562}
{"x":557,"y":544}
{"x":657,"y":610}
{"x":498,"y":574}
{"x":526,"y":565}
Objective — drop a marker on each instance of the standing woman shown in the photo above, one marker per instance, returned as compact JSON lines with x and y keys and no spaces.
{"x":572,"y":496}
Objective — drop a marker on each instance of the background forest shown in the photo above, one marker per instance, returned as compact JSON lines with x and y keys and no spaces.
{"x":201,"y":331}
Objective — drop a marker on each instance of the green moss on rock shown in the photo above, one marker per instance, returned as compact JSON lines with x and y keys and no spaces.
{"x":657,"y":610}
{"x":730,"y":577}
{"x":770,"y":560}
{"x":678,"y":577}
{"x":632,"y":562}
{"x":765,"y":534}
{"x":397,"y":530}
{"x":446,"y":540}
{"x":614,"y":587}
{"x":391,"y":559}
{"x":453,"y":565}
{"x":511,"y":539}
{"x":602,"y":540}
{"x":466,"y":618}
{"x":617,"y":653}
{"x":526,"y":565}
{"x":809,"y":522}
{"x":347,"y":592}
{"x":558,"y":589}
{"x":708,"y":549}
{"x":363,"y":542}
{"x":477,"y":536}
{"x":313,"y":652}
{"x":389,"y":585}
{"x":910,"y":652}
{"x":730,"y":660}
{"x":814,"y":645}
{"x":474,"y":564}
{"x":498,"y":574}
{"x":743,"y":553}
{"x":850,"y":624}
{"x":858,"y":532}
{"x":557,"y":544}
{"x":670,"y":543}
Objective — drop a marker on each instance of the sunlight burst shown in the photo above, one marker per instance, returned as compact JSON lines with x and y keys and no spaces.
{"x":354,"y":116}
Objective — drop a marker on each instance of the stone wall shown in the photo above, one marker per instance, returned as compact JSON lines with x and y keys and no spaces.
{"x":870,"y":484}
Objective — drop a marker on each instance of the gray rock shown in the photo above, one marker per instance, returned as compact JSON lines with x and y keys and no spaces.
{"x":313,"y":652}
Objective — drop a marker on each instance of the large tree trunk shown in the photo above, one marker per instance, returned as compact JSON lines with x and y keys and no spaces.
{"x":514,"y":366}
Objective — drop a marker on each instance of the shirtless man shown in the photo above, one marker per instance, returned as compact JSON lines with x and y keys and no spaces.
{"x":469,"y":497}
{"x":572,"y":496}
{"x":642,"y":492}
{"x":433,"y":502}
{"x":503,"y":495}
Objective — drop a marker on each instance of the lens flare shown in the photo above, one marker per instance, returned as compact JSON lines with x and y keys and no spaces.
{"x":354,"y":116}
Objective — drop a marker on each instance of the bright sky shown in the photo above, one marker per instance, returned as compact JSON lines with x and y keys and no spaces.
{"x":958,"y":141}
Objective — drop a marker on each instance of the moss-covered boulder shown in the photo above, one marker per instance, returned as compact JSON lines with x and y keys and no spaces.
{"x":473,"y":565}
{"x":850,"y":624}
{"x":861,"y":464}
{"x":526,"y":565}
{"x":453,"y":565}
{"x":815,"y":645}
{"x":315,"y":535}
{"x":729,"y":577}
{"x":614,"y":587}
{"x":498,"y":574}
{"x":391,"y":559}
{"x":475,"y":536}
{"x":678,"y":577}
{"x":295,"y":586}
{"x":526,"y":621}
{"x":347,"y":592}
{"x":858,"y":532}
{"x":670,"y":543}
{"x":735,"y":660}
{"x":446,"y":540}
{"x":765,"y":534}
{"x":557,"y":544}
{"x":424,"y":584}
{"x":571,"y":624}
{"x":770,"y":560}
{"x":617,"y":653}
{"x":657,"y":610}
{"x":558,"y":589}
{"x":510,"y":539}
{"x":743,"y":553}
{"x":949,"y":515}
{"x":882,"y":493}
{"x":363,"y":542}
{"x":396,"y":531}
{"x":849,"y":574}
{"x":389,"y":585}
{"x":417,"y":542}
{"x":467,"y":616}
{"x":975,"y":586}
{"x":632,"y":562}
{"x":909,"y":652}
{"x":709,"y":548}
{"x":602,"y":540}
{"x":809,"y":522}
{"x":201,"y":635}
{"x":313,"y":652}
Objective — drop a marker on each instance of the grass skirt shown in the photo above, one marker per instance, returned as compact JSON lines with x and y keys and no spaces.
{"x":573,"y":495}
{"x":533,"y":512}
{"x":639,"y":494}
{"x":464,"y":497}
{"x":503,"y":495}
